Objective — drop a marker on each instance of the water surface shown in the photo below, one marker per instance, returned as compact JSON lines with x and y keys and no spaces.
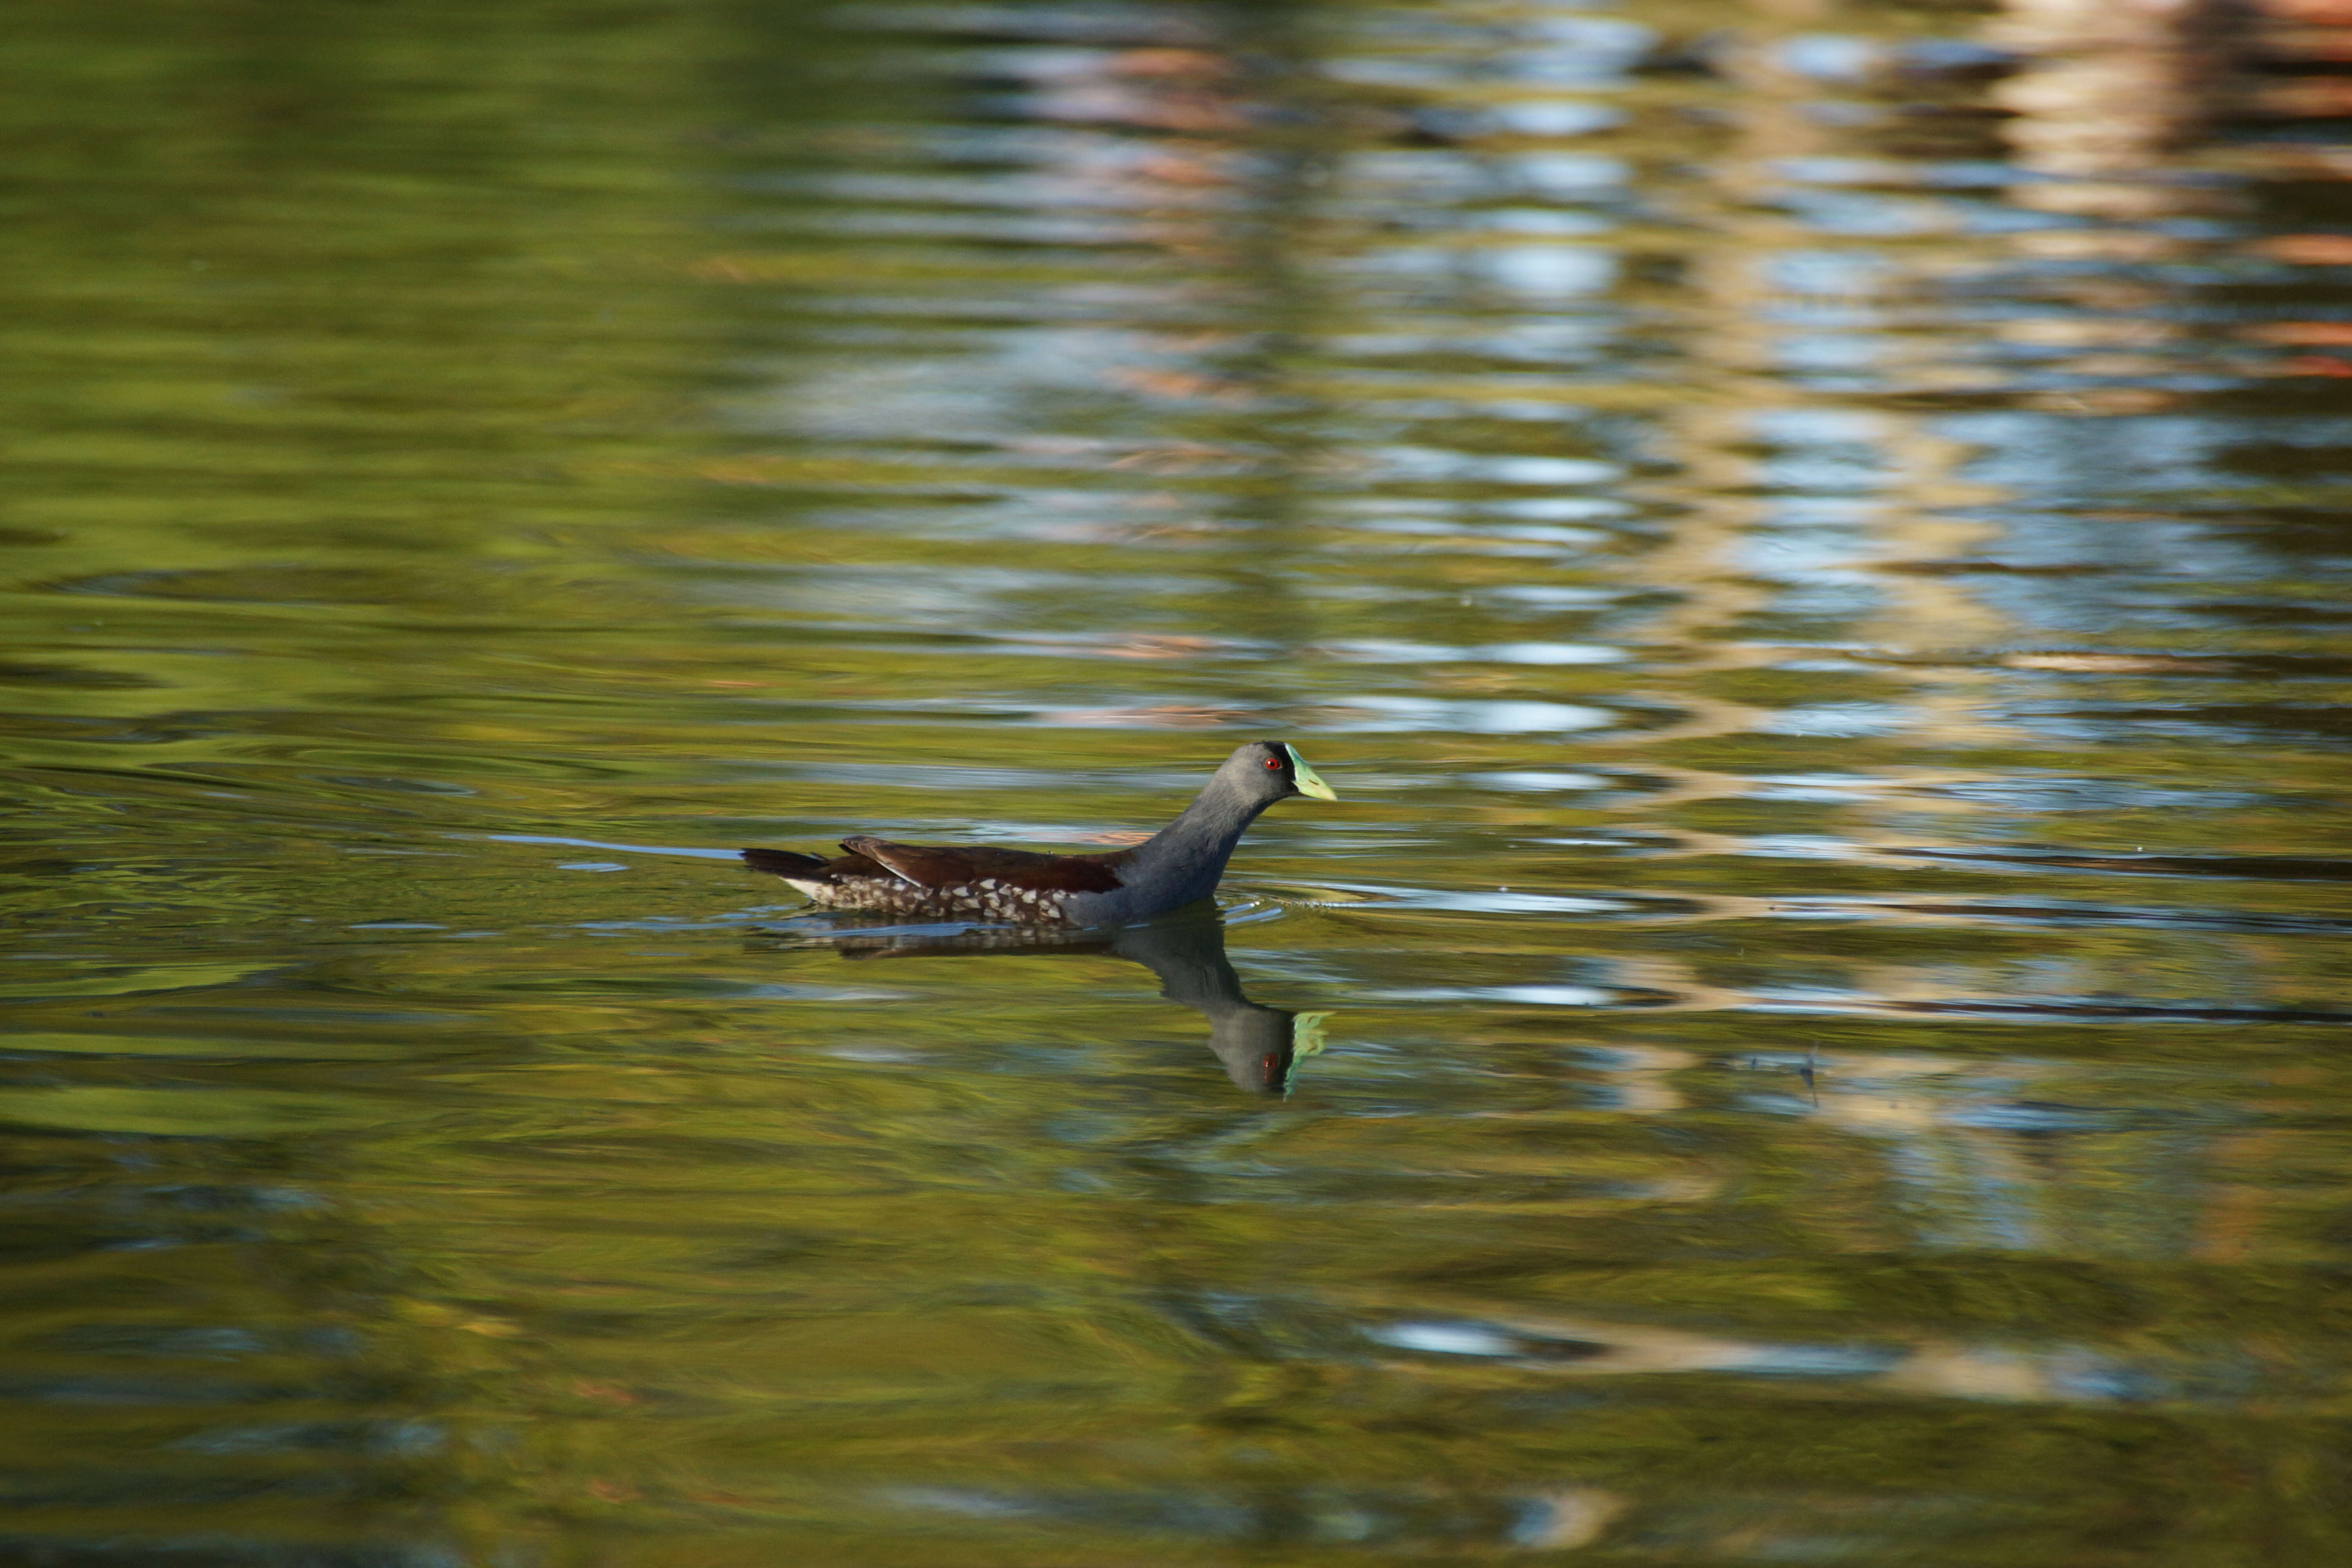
{"x":1813,"y":557}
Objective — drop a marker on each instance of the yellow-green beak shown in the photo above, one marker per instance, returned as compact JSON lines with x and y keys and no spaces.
{"x":1308,"y":780}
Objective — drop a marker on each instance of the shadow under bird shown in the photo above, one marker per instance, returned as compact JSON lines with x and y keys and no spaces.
{"x":1179,"y":865}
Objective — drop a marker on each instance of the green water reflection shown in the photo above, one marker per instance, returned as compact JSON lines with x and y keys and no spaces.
{"x":1810,"y":545}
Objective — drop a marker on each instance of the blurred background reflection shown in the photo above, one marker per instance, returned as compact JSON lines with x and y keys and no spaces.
{"x":1810,"y":536}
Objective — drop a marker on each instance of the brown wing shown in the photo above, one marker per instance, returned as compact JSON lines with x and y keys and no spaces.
{"x":952,"y":866}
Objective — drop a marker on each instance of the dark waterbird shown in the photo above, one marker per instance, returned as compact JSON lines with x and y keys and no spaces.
{"x":1177,"y":865}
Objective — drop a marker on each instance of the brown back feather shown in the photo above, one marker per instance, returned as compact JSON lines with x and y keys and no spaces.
{"x":950,"y":866}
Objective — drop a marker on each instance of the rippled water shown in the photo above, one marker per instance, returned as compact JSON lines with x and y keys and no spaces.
{"x":1810,"y":541}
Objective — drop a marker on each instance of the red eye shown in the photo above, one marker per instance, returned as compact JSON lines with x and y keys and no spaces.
{"x":1274,"y":763}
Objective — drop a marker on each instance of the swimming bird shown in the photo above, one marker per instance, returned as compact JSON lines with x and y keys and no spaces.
{"x":1177,"y":865}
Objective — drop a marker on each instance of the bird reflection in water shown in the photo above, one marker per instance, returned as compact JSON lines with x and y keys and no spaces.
{"x":1259,"y":1045}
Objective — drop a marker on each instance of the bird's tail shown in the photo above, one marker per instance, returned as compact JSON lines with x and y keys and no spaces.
{"x":783,"y":862}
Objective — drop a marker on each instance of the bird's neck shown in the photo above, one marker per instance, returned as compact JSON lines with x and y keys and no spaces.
{"x":1191,"y":851}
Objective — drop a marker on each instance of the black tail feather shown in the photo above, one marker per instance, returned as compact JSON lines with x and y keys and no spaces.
{"x":782,"y":862}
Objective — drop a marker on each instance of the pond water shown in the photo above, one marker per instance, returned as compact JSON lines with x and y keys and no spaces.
{"x":1809,"y":538}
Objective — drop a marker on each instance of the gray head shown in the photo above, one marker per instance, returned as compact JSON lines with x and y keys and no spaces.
{"x":1268,"y":770}
{"x":1184,"y":860}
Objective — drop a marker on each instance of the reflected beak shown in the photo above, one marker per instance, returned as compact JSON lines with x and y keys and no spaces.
{"x":1306,"y":778}
{"x":1306,"y":1040}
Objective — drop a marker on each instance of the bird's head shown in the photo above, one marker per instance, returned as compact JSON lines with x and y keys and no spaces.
{"x":1273,"y":769}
